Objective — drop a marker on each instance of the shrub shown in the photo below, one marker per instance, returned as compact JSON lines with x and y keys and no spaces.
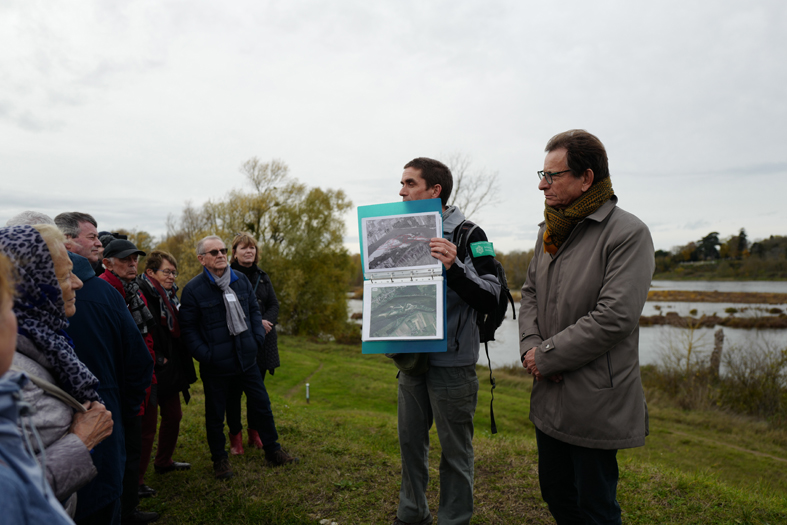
{"x":755,"y":380}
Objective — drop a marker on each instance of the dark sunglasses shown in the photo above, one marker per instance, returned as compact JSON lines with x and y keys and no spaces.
{"x":215,"y":253}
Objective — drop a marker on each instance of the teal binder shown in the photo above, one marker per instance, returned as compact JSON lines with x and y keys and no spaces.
{"x":402,"y":208}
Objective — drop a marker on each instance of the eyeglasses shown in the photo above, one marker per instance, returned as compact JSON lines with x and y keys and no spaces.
{"x":167,"y":273}
{"x":215,"y":253}
{"x":549,"y":176}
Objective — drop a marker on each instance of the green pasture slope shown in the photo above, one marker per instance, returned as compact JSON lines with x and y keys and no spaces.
{"x":696,"y":468}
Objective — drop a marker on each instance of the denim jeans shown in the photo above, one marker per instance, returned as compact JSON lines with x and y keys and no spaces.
{"x":217,"y":389}
{"x":447,"y":396}
{"x":579,"y":484}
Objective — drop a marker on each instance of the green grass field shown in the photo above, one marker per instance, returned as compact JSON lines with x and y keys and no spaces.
{"x":697,"y":467}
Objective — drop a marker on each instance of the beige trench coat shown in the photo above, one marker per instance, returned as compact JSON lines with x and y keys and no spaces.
{"x":580,"y":309}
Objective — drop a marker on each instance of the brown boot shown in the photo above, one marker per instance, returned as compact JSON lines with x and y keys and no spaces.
{"x":236,"y":444}
{"x":222,"y":468}
{"x":280,"y":457}
{"x":254,"y":439}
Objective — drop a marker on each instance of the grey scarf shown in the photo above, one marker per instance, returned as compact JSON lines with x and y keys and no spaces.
{"x":236,"y":319}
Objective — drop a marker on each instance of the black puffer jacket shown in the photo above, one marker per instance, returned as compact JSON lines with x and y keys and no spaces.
{"x":268,"y":357}
{"x":203,"y":326}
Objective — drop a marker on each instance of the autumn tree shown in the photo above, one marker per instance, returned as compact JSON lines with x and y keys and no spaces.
{"x":515,"y":264}
{"x":299,"y":231}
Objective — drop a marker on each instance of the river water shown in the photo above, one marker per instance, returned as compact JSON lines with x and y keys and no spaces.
{"x":655,"y":340}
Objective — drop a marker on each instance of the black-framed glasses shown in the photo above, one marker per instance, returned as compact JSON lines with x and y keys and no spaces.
{"x":548,"y":176}
{"x":215,"y":253}
{"x":168,"y":272}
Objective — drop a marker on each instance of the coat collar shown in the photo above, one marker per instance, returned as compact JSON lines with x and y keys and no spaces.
{"x":233,"y":275}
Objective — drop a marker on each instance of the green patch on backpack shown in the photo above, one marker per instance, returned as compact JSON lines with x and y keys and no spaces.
{"x":479,"y":249}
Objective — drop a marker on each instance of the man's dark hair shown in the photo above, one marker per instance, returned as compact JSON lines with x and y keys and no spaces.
{"x":434,"y":172}
{"x":155,"y":258}
{"x":585,"y":151}
{"x":68,"y":222}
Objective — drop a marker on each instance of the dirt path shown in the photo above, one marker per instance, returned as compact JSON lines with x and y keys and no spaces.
{"x":728,"y":445}
{"x":294,"y":390}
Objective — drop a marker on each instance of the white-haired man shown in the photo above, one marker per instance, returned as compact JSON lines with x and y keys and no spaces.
{"x":221,"y":326}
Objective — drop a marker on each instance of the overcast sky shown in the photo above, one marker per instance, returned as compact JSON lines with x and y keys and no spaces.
{"x":128,"y":109}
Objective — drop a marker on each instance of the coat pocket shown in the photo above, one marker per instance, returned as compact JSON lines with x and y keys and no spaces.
{"x":599,"y":373}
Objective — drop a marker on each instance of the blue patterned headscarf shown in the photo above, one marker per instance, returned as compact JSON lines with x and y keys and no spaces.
{"x":40,"y":310}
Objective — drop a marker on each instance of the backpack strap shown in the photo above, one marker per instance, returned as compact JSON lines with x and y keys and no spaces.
{"x":492,"y":390}
{"x":466,"y":228}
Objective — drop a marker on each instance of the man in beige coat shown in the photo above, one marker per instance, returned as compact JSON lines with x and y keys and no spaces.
{"x":579,"y":325}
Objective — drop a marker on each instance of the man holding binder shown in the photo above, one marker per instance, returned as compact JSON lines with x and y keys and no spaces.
{"x":447,"y":392}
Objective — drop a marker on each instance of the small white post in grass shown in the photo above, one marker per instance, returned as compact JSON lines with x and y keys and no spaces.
{"x":307,"y":393}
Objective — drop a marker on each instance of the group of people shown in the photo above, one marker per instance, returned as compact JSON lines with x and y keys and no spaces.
{"x":83,"y":384}
{"x":92,"y":351}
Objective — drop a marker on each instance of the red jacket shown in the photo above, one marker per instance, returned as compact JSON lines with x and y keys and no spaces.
{"x":118,"y":285}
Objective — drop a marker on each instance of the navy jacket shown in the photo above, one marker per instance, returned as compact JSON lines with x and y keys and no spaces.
{"x":107,"y":340}
{"x":203,"y":325}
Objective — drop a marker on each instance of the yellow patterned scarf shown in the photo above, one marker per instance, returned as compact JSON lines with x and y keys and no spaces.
{"x":560,"y":223}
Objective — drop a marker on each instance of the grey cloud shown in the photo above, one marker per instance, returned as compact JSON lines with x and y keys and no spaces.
{"x":702,"y":223}
{"x":27,"y":120}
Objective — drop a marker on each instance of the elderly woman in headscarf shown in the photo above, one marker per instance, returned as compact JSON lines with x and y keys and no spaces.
{"x":27,"y":499}
{"x":67,"y":411}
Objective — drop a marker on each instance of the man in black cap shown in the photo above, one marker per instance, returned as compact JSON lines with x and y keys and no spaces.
{"x":120,"y":260}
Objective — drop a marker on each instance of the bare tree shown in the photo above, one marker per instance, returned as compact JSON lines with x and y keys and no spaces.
{"x":264,"y":176}
{"x":474,"y":188}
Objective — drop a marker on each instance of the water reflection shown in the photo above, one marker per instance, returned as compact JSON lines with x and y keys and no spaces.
{"x":505,"y":350}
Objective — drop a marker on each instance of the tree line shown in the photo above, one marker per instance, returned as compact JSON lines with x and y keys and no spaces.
{"x":733,"y":257}
{"x":299,"y":231}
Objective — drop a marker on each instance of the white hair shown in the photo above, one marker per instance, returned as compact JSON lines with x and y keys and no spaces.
{"x":29,"y":218}
{"x":201,"y":243}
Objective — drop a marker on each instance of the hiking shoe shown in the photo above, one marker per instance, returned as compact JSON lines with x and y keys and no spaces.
{"x":175,"y":465}
{"x":426,"y":521}
{"x":145,"y":492}
{"x":280,"y":457}
{"x":222,"y":469}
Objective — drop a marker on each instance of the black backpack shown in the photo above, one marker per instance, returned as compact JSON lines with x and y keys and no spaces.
{"x":487,"y":323}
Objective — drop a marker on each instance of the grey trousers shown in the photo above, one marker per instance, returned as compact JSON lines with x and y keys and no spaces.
{"x":447,"y":396}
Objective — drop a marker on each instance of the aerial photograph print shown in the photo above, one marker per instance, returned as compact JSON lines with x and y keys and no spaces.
{"x":404,"y":311}
{"x":400,"y":242}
